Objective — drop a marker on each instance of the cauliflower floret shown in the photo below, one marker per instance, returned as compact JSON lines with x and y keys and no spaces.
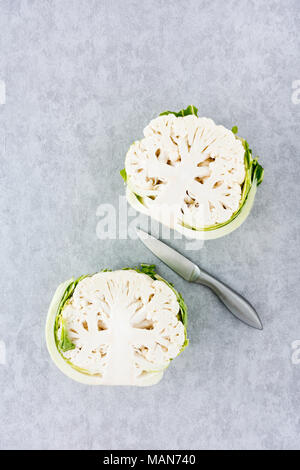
{"x":124,"y":326}
{"x":187,"y":169}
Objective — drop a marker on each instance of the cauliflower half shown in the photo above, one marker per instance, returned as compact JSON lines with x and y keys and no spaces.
{"x":188,"y":171}
{"x":120,"y":328}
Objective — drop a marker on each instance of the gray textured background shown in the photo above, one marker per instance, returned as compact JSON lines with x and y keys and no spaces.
{"x":83,"y":78}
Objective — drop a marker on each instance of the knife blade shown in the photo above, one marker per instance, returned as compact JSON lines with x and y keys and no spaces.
{"x":177,"y":262}
{"x":234,"y":302}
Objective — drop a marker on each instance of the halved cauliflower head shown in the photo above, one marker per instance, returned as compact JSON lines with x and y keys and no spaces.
{"x":188,"y":169}
{"x":121,"y":327}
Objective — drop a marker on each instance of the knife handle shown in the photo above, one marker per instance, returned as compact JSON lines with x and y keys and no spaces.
{"x":235,"y":303}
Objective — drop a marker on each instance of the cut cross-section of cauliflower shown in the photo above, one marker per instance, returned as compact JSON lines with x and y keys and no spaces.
{"x":189,"y":172}
{"x":189,"y":165}
{"x":122,"y":328}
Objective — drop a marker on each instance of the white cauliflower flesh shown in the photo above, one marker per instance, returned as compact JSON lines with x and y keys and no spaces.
{"x":187,"y":169}
{"x":124,"y":326}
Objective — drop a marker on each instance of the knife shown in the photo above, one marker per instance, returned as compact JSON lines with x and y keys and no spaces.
{"x":235,"y":303}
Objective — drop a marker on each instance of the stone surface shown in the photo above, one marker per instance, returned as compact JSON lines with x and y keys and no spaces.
{"x":82,"y":80}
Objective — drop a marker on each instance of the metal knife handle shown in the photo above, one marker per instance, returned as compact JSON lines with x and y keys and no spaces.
{"x":235,"y":303}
